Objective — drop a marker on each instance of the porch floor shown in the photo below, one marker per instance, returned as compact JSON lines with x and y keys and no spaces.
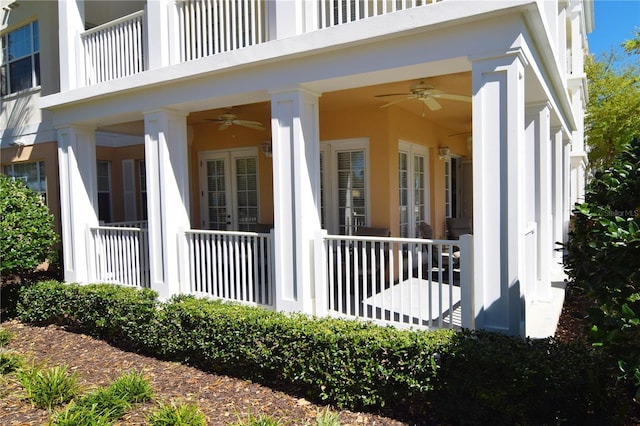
{"x":543,"y":316}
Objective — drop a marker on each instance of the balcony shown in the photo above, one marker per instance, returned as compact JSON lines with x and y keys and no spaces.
{"x":202,"y":28}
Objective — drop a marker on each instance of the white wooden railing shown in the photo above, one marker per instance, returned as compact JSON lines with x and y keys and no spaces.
{"x":405,"y":282}
{"x":115,"y":49}
{"x":236,"y":266}
{"x":119,"y":255}
{"x":337,"y":12}
{"x":207,"y":27}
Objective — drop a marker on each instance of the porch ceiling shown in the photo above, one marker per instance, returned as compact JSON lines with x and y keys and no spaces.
{"x":454,"y":115}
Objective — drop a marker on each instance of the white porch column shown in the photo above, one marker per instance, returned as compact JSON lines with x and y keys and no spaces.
{"x":162,"y":36}
{"x":167,"y":171}
{"x":78,"y":197}
{"x":498,"y":146}
{"x":296,"y":196}
{"x":558,"y":192}
{"x":566,"y":185}
{"x":70,"y":26}
{"x":538,"y":124}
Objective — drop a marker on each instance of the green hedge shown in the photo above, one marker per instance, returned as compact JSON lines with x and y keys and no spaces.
{"x":463,"y":378}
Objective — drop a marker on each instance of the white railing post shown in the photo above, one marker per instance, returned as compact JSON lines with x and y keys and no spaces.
{"x":469,"y":295}
{"x":320,"y":271}
{"x":90,"y":253}
{"x":184,"y":285}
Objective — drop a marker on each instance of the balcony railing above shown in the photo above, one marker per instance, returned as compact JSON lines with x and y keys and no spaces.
{"x":115,"y":49}
{"x":201,"y":28}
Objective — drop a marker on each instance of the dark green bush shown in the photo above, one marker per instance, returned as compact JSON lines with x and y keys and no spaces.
{"x":490,"y":378}
{"x":604,"y":258}
{"x":461,"y":377}
{"x":27,"y":235}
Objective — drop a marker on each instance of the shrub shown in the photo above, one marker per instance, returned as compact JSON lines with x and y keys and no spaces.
{"x":177,"y":415}
{"x":603,"y":260}
{"x":47,"y":388}
{"x":351,"y":364}
{"x":27,"y":234}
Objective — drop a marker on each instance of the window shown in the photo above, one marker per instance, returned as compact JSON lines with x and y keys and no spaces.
{"x":451,"y":179}
{"x":20,"y":67}
{"x":143,"y":190}
{"x":32,"y":174}
{"x":104,"y":191}
{"x":344,"y":186}
{"x":413,"y":188}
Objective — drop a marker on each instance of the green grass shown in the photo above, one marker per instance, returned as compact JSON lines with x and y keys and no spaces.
{"x":177,"y":415}
{"x":47,"y":388}
{"x":10,"y":361}
{"x":106,"y":405}
{"x":5,"y":337}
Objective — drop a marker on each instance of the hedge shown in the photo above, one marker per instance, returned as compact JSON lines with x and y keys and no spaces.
{"x":459,"y":377}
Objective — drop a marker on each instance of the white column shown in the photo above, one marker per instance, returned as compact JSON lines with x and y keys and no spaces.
{"x":162,"y":35}
{"x":167,"y":168}
{"x":498,"y":243}
{"x":566,"y":185}
{"x":557,"y":186}
{"x":296,"y":196}
{"x":78,"y":197}
{"x":70,"y":26}
{"x":285,"y":18}
{"x":538,"y":121}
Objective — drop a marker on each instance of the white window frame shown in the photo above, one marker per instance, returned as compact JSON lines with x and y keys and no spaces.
{"x":9,"y":170}
{"x":414,"y":150}
{"x":329,"y":203}
{"x":6,"y":61}
{"x":448,"y":193}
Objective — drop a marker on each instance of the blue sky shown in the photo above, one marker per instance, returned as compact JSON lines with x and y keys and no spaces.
{"x":614,"y":23}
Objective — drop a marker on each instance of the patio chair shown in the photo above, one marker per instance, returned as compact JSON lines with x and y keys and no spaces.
{"x":457,"y":226}
{"x":426,"y":232}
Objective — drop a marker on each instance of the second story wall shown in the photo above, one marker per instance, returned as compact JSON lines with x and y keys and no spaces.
{"x":30,"y":68}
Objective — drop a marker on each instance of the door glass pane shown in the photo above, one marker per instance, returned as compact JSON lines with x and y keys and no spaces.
{"x":351,"y":191}
{"x":247,"y":193}
{"x":216,"y":194}
{"x":418,"y":188}
{"x":403,"y":195}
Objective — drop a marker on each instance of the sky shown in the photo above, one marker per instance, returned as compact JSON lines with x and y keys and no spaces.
{"x":615,"y":21}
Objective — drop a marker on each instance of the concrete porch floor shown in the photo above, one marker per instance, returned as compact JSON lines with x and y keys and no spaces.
{"x":542,"y":316}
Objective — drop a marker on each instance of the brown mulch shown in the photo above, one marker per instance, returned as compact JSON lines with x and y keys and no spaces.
{"x":221,"y":399}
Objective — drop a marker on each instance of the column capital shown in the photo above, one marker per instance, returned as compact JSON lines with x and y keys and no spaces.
{"x":293,"y":89}
{"x":515,"y":52}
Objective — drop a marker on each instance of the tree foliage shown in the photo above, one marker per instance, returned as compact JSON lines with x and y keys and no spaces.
{"x":604,"y":257}
{"x":613,"y":109}
{"x":27,"y":234}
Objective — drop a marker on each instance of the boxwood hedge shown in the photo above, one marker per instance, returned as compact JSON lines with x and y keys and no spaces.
{"x":458,"y":377}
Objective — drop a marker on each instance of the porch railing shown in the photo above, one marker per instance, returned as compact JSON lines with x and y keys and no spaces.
{"x":337,"y":12}
{"x":228,"y":265}
{"x":115,"y":49}
{"x":119,"y":255}
{"x":207,"y":27}
{"x":406,"y":282}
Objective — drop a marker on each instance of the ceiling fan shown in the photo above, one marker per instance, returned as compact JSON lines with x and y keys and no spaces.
{"x":228,"y":119}
{"x":426,"y":93}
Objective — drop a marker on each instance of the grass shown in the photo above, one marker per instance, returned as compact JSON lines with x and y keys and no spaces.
{"x":49,"y":387}
{"x":10,"y":361}
{"x":5,"y":337}
{"x":105,"y":405}
{"x":180,"y":414}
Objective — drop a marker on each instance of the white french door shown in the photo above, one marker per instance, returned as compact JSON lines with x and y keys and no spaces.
{"x":413,"y":188}
{"x":229,"y":189}
{"x":344,"y":189}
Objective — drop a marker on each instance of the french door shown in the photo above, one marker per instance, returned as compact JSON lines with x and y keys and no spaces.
{"x":413,"y":188}
{"x":229,"y":190}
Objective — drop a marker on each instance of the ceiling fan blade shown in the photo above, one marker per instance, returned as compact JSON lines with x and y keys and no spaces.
{"x":250,"y":124}
{"x":453,"y":97}
{"x":433,"y":104}
{"x":392,"y":94}
{"x":223,"y":126}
